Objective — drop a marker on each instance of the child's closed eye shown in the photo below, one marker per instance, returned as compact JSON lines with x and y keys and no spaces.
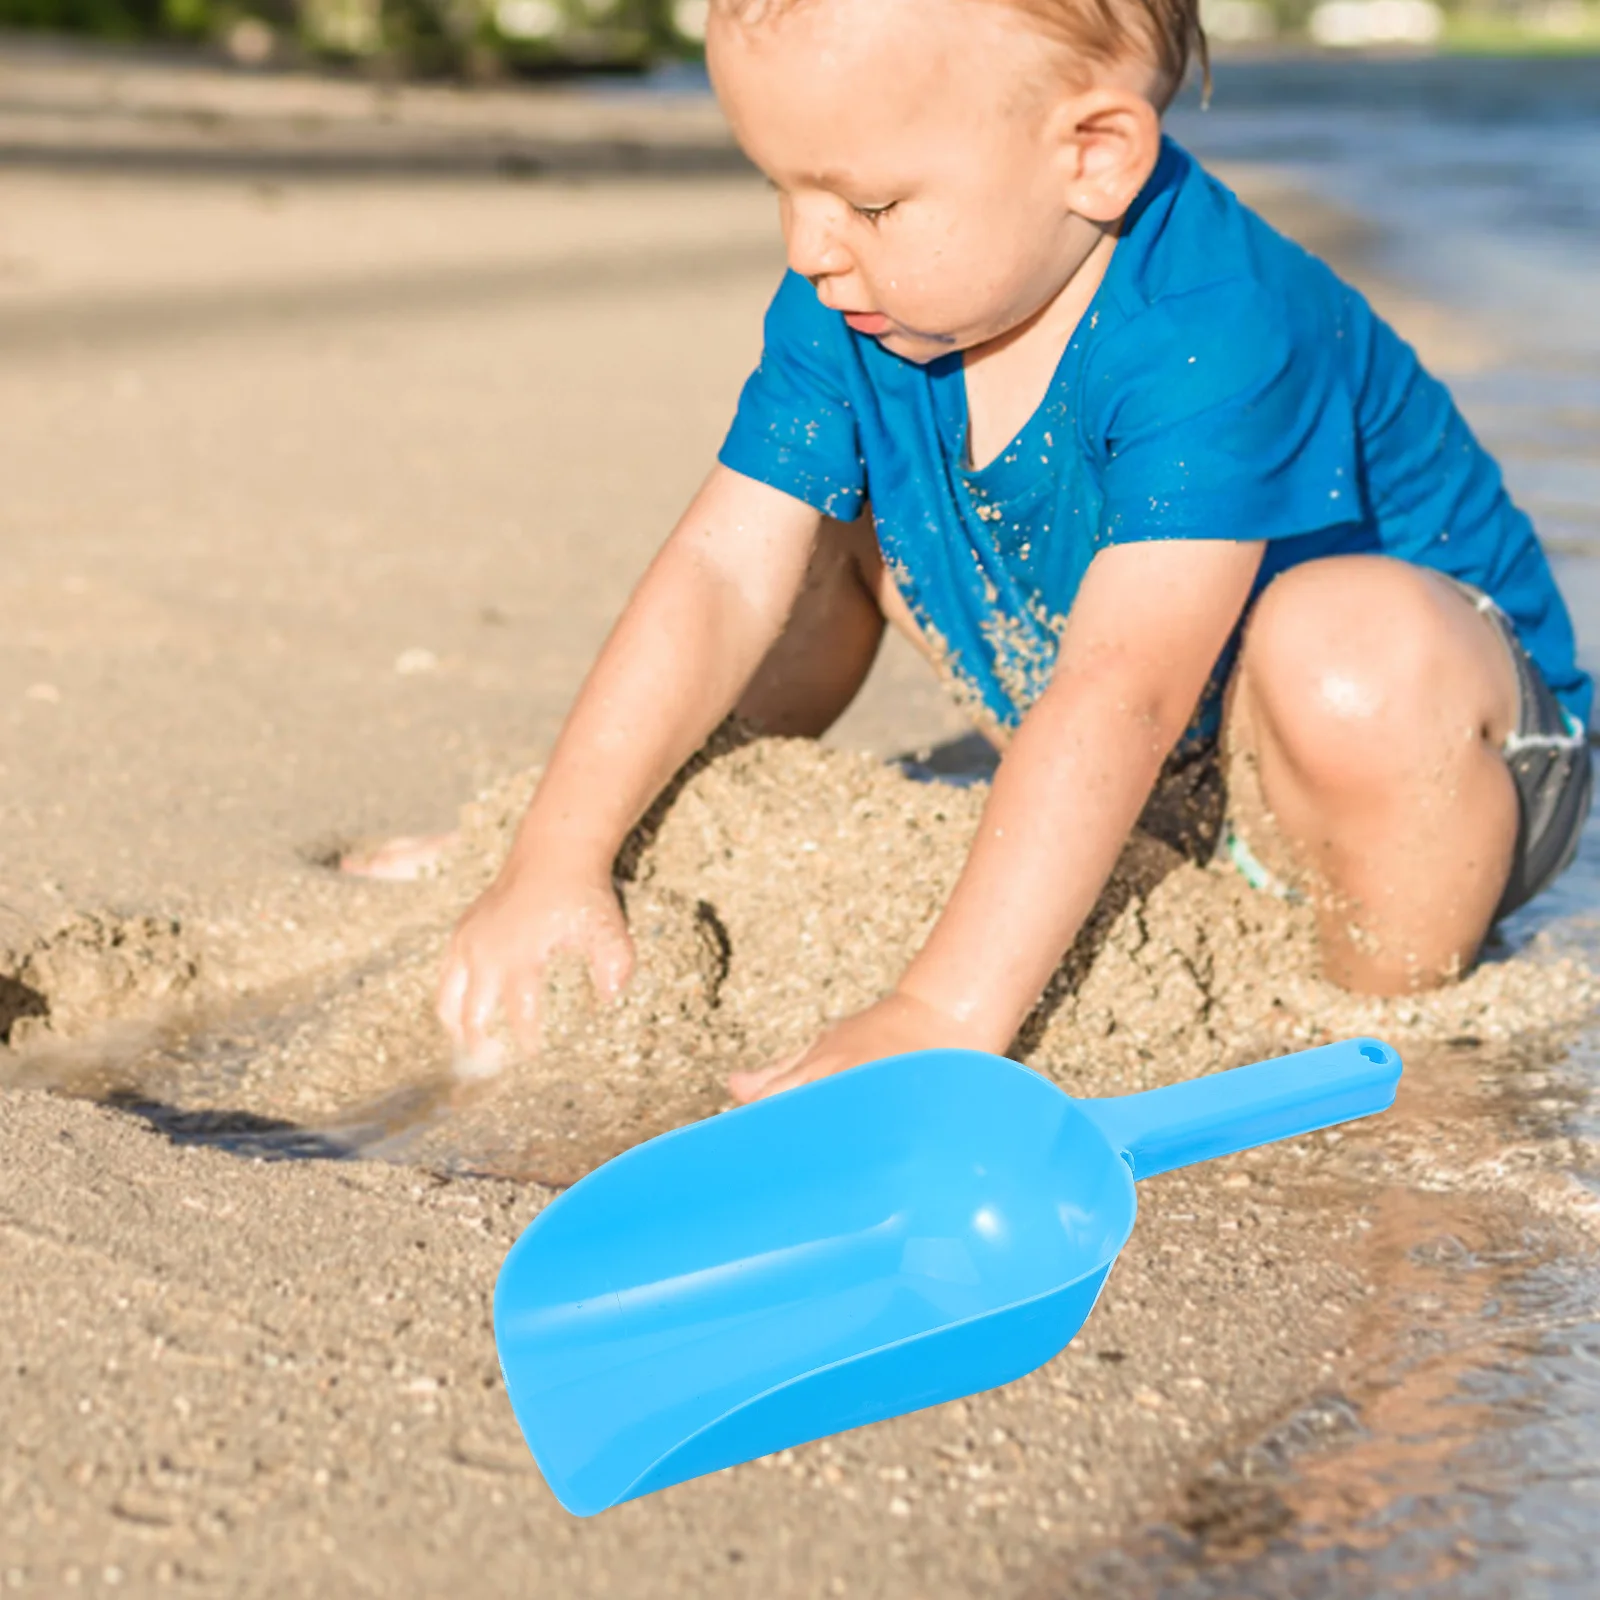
{"x":875,"y":214}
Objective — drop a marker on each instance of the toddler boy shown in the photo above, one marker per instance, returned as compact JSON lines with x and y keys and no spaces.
{"x":1142,"y":479}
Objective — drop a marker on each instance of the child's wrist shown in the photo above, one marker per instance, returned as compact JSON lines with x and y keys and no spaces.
{"x":541,"y":849}
{"x":966,"y":1029}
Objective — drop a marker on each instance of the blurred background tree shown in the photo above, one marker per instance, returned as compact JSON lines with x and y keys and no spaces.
{"x":464,"y":37}
{"x":480,"y":38}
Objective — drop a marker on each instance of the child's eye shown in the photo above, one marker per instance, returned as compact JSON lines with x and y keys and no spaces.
{"x":875,"y":213}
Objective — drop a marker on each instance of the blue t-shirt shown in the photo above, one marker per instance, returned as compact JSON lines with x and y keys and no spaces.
{"x":1223,"y":384}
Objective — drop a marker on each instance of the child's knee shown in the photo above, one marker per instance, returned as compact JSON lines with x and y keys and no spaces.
{"x":1346,"y":666}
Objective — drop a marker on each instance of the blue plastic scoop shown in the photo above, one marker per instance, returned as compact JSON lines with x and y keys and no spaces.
{"x":913,"y":1230}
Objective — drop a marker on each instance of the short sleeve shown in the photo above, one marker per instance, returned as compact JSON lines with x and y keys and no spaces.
{"x":1220,"y":418}
{"x":795,"y":429}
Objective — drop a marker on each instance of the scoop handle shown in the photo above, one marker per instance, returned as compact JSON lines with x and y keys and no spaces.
{"x":1227,"y":1111}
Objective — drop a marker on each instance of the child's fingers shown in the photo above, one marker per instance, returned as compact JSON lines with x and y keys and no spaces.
{"x":478,"y":1006}
{"x":752,"y":1085}
{"x":451,"y":1002}
{"x":745,"y":1086}
{"x":522,"y":1011}
{"x":610,"y":963}
{"x":461,"y":1008}
{"x":790,"y":1078}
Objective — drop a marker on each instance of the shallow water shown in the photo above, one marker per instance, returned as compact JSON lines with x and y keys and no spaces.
{"x":1484,"y":179}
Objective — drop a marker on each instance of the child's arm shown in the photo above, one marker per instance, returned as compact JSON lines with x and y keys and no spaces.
{"x":698,"y":625}
{"x":1146,"y":629}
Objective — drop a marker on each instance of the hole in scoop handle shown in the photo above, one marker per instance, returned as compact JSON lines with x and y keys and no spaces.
{"x":1227,"y":1111}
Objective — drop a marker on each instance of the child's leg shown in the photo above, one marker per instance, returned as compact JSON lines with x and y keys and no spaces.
{"x":830,"y":641}
{"x":822,"y":658}
{"x":1364,"y":729}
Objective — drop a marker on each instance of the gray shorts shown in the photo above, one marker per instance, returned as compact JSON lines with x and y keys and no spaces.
{"x":1547,"y":754}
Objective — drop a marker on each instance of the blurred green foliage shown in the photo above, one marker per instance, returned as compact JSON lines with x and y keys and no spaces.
{"x":121,"y":19}
{"x":471,"y":36}
{"x":476,"y":38}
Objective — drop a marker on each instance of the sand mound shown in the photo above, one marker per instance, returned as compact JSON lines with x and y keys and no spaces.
{"x":777,"y":886}
{"x":781,"y":885}
{"x":92,"y":969}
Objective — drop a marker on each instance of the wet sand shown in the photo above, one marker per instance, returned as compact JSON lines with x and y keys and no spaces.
{"x":332,"y":446}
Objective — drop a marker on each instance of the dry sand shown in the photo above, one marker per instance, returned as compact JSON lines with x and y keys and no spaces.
{"x":311,"y":526}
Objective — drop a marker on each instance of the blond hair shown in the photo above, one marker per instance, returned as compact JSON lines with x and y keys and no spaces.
{"x":1166,"y":33}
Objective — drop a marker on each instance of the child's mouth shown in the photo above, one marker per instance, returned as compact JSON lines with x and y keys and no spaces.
{"x":873,"y":322}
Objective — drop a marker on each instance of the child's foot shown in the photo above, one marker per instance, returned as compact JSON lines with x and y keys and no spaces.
{"x":401,"y":860}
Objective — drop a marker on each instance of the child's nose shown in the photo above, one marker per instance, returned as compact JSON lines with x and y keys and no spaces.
{"x":814,"y":247}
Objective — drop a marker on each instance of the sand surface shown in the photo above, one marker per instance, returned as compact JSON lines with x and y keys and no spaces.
{"x":332,"y":444}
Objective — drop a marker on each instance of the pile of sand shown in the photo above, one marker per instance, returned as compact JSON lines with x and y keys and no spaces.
{"x":781,"y":885}
{"x":92,"y":968}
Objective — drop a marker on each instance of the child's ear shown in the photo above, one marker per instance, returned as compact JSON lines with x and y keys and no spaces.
{"x":1111,"y":140}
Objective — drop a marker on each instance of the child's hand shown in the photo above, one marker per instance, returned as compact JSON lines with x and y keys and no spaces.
{"x":705,"y":616}
{"x":895,"y":1025}
{"x":501,"y":947}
